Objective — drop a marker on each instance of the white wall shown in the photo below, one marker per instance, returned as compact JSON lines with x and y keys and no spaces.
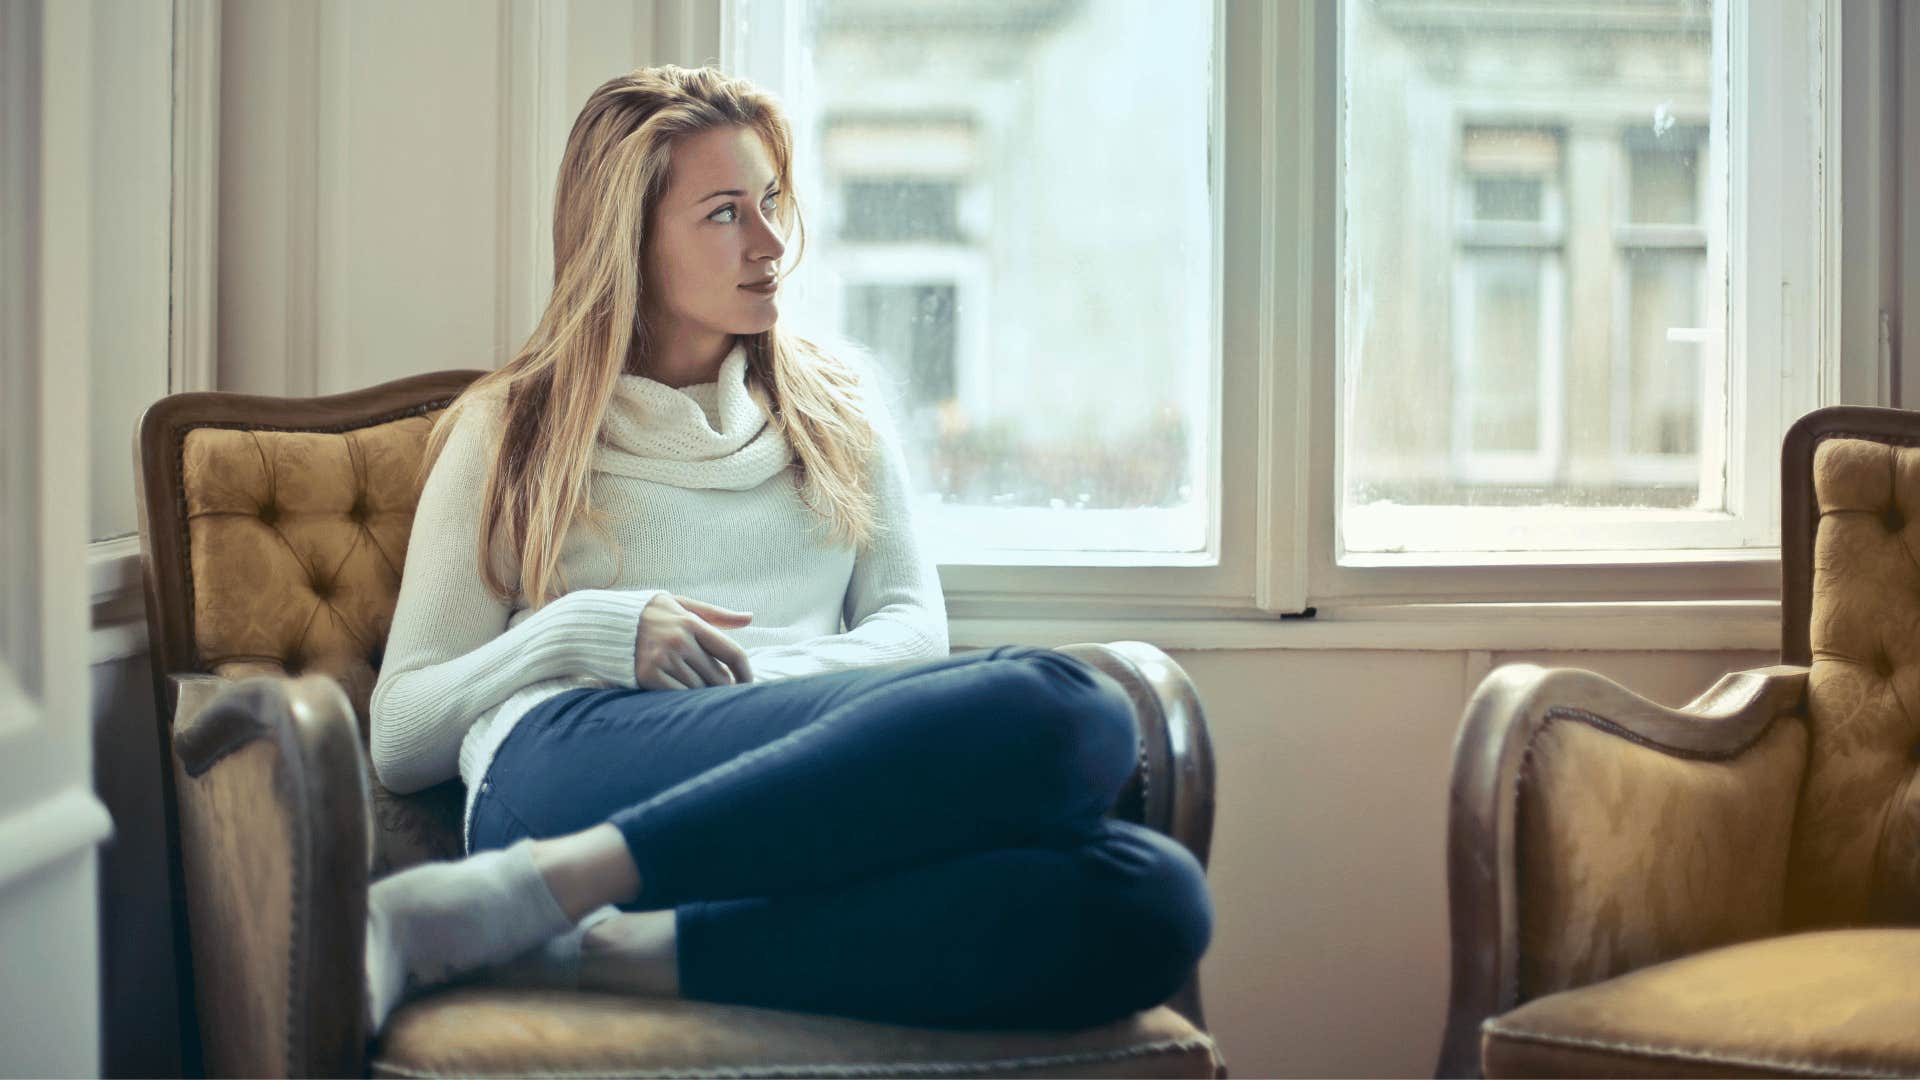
{"x":385,"y":174}
{"x":1330,"y":954}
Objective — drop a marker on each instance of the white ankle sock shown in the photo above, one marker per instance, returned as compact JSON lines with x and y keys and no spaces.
{"x":429,"y":923}
{"x":554,"y":963}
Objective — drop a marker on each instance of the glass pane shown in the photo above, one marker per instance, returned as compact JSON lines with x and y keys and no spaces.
{"x":1665,"y":185}
{"x":1504,"y":199}
{"x":1047,"y":327}
{"x":1501,"y":362}
{"x":1663,"y":375}
{"x":900,"y":210}
{"x":910,"y":329}
{"x":1526,"y":212}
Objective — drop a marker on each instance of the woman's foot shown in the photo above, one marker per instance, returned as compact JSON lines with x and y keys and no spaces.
{"x":632,"y":953}
{"x":553,"y":964}
{"x":429,"y":923}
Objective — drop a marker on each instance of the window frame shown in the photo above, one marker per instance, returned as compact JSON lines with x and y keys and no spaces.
{"x":1747,"y":570}
{"x":1760,"y":159}
{"x":1277,"y":440}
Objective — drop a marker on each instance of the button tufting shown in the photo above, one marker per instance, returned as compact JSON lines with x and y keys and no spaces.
{"x":358,"y":512}
{"x":1892,"y":518}
{"x":269,"y":513}
{"x":322,"y":588}
{"x":1913,"y":752}
{"x":1882,"y":665}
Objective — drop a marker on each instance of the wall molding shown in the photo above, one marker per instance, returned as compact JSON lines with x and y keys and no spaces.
{"x":534,"y":124}
{"x":194,"y":328}
{"x":304,"y":261}
{"x":43,"y":833}
{"x":331,"y":266}
{"x":684,"y":32}
{"x":20,"y":210}
{"x":1906,"y":32}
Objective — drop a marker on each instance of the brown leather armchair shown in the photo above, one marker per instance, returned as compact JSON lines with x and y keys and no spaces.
{"x":273,"y":532}
{"x":1730,"y":888}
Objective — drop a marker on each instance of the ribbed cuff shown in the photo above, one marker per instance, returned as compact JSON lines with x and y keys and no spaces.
{"x":592,"y":632}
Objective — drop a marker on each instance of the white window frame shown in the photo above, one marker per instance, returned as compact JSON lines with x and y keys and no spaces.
{"x":1785,"y":308}
{"x":1765,"y":373}
{"x":1277,"y":438}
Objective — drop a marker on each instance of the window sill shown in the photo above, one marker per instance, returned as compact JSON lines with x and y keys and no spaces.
{"x":114,"y":568}
{"x":1764,"y":556}
{"x":1636,"y":626}
{"x":119,"y":611}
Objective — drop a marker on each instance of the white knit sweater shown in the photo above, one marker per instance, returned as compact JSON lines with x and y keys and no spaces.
{"x":697,"y":489}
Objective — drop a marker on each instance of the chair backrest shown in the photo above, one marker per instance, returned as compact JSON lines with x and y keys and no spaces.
{"x":1851,"y":611}
{"x":273,"y":533}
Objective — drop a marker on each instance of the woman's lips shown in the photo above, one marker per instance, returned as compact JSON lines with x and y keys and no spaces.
{"x":764,"y":288}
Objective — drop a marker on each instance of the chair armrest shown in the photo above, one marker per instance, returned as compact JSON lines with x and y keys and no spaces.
{"x":274,"y":836}
{"x":1592,"y":831}
{"x":1172,"y":790}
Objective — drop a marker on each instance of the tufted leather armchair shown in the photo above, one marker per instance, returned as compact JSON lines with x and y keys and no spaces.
{"x":1731,"y":888}
{"x":273,"y":532}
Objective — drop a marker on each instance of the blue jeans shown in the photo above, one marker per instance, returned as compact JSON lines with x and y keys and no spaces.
{"x":918,"y":843}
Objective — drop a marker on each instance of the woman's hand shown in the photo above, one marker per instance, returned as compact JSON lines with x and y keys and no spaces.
{"x":678,"y":647}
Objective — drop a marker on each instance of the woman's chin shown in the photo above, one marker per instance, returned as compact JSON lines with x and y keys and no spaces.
{"x":759,"y":321}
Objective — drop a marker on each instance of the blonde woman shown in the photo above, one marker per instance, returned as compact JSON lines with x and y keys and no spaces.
{"x":713,"y":743}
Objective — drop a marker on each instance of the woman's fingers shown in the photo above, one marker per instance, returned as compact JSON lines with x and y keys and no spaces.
{"x":676,"y":665}
{"x":714,"y":612}
{"x":722,"y":648}
{"x":660,"y":680}
{"x":707,"y":668}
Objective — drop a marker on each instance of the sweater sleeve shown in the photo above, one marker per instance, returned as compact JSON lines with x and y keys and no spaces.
{"x":894,"y":609}
{"x":453,"y":651}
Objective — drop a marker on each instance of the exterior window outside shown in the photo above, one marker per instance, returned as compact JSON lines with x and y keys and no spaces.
{"x":1014,"y":219}
{"x":1529,"y":317}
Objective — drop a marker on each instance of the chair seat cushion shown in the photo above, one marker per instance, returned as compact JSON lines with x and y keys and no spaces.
{"x":1825,"y":1003}
{"x":485,"y":1031}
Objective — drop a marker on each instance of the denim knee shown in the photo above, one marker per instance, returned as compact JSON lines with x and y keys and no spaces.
{"x":1078,"y":722}
{"x":1150,"y":924}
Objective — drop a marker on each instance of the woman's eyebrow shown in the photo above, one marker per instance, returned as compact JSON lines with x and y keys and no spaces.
{"x":737,"y":193}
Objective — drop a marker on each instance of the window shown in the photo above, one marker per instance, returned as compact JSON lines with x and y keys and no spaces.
{"x":1046,"y":333}
{"x":1577,"y":346}
{"x":1432,"y":299}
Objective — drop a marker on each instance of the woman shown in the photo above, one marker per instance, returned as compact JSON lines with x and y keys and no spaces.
{"x":683,"y":776}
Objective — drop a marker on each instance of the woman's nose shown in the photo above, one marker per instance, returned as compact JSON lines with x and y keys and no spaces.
{"x":767,"y":245}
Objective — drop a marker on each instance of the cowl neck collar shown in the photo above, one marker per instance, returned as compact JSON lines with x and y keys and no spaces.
{"x":707,"y":435}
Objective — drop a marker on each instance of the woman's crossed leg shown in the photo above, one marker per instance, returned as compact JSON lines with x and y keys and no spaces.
{"x":918,"y":822}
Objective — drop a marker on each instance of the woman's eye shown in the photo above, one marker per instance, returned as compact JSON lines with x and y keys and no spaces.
{"x":727,"y":210}
{"x":771,"y":201}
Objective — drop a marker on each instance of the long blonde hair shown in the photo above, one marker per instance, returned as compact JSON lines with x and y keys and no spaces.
{"x":558,"y":385}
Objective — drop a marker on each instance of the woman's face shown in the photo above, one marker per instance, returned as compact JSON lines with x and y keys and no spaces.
{"x":715,"y":238}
